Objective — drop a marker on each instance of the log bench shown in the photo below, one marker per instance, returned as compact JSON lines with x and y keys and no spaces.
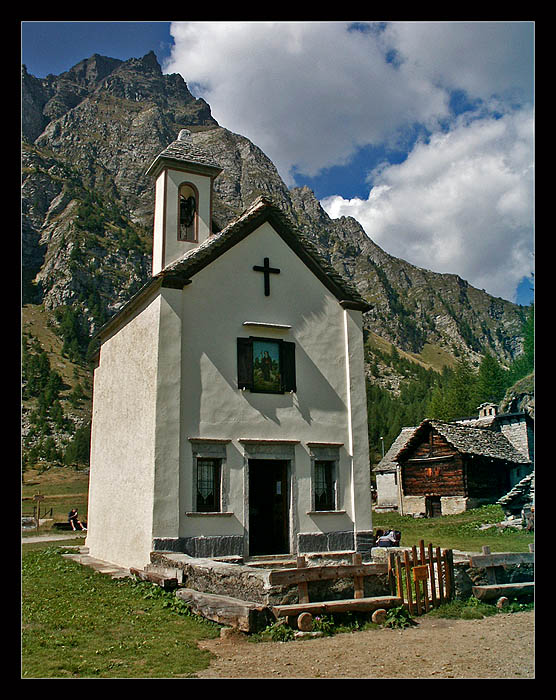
{"x":302,"y":575}
{"x":494,"y":589}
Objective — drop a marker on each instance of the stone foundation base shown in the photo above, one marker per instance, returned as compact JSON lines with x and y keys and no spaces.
{"x":233,"y":545}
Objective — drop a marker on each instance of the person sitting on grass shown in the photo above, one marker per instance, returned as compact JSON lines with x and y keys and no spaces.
{"x":74,"y":521}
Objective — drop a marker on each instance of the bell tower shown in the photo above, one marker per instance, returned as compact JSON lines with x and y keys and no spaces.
{"x":183,"y":199}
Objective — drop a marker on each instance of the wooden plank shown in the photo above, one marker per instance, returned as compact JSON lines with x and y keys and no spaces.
{"x":285,"y":577}
{"x":503,"y":589}
{"x":302,"y":586}
{"x":408,"y":582}
{"x":449,"y":568}
{"x":482,"y":561}
{"x":420,"y":573}
{"x":423,"y":563}
{"x":399,"y":579}
{"x":345,"y":605}
{"x":440,"y":575}
{"x":391,"y":571}
{"x":431,"y":573}
{"x":415,"y":583}
{"x":358,"y":586}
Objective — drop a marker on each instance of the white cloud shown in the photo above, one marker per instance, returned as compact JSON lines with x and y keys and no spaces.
{"x":310,"y":94}
{"x":461,"y":203}
{"x":485,"y":59}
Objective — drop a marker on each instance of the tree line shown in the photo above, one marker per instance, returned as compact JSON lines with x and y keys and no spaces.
{"x":454,"y":393}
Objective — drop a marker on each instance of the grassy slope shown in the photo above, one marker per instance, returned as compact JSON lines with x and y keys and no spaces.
{"x":81,"y":624}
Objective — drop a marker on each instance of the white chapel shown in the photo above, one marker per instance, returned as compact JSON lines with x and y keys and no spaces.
{"x":229,"y":404}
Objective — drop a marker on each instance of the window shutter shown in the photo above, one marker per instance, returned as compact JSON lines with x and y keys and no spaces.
{"x":288,"y":366}
{"x":244,"y":363}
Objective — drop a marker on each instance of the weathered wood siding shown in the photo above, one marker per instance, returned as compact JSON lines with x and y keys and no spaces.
{"x":433,"y":467}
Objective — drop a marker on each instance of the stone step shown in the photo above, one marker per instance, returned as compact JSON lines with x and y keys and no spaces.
{"x":163,"y":580}
{"x":101,"y":567}
{"x":240,"y":614}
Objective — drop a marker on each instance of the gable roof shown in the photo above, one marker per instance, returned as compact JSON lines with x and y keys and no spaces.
{"x":262,"y":210}
{"x":179,"y":273}
{"x":389,"y":461}
{"x":469,"y":440}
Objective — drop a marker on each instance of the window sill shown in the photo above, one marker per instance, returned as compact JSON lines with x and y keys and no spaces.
{"x":208,"y":513}
{"x":326,"y":512}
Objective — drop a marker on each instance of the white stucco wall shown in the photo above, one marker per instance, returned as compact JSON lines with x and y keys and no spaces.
{"x":121,"y":484}
{"x":170,"y":374}
{"x":387,"y":490}
{"x":216,"y":304}
{"x":168,"y":248}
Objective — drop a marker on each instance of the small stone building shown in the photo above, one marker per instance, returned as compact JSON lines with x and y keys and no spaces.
{"x":439,"y":468}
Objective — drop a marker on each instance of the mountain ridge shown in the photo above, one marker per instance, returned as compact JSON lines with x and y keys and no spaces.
{"x":88,"y":137}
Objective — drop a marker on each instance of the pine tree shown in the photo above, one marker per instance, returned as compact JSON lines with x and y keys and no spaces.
{"x":491,"y":382}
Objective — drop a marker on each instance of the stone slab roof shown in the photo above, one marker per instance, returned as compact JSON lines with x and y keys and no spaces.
{"x":183,"y":151}
{"x":470,"y":440}
{"x":389,"y":461}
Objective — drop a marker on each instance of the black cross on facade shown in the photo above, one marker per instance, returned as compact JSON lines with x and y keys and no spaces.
{"x":267,"y":270}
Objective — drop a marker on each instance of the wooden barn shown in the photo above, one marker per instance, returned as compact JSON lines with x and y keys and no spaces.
{"x":448,"y":468}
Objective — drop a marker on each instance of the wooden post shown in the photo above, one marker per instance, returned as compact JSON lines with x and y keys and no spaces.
{"x":440,"y":575}
{"x":491,"y":571}
{"x":302,"y":586}
{"x":38,"y":497}
{"x":399,"y":578}
{"x":416,"y":583}
{"x":358,"y":581}
{"x":408,"y":582}
{"x":391,"y":571}
{"x":449,"y":565}
{"x":425,"y":587}
{"x":431,"y":573}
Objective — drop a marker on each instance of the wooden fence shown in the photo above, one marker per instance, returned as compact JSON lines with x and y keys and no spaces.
{"x":423,"y":579}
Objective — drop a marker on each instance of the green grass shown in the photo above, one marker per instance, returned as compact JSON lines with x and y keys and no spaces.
{"x":63,"y":488}
{"x":459,"y":531}
{"x":77,"y":623}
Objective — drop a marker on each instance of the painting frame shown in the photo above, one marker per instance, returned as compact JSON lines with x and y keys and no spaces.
{"x":267,"y":366}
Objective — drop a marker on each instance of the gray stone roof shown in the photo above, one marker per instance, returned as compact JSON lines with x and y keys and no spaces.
{"x":389,"y":461}
{"x":521,"y":494}
{"x":184,"y":151}
{"x":471,"y":440}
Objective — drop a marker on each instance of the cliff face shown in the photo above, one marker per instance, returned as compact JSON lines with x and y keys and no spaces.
{"x":87,"y":206}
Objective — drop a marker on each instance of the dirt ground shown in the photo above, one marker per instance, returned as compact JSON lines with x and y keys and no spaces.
{"x":501,"y":646}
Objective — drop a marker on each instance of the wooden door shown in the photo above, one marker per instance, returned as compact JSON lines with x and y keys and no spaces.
{"x":433,"y":507}
{"x":268,"y":507}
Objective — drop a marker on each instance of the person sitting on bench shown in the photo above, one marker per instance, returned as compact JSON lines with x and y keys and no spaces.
{"x":73,"y":520}
{"x":390,"y":539}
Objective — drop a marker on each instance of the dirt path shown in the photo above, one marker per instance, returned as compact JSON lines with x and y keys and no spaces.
{"x":501,"y":646}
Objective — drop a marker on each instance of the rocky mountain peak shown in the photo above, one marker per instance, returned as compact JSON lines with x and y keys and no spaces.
{"x":92,"y":132}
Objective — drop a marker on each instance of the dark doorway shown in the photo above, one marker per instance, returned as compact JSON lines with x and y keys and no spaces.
{"x":433,"y":507}
{"x":268,"y":507}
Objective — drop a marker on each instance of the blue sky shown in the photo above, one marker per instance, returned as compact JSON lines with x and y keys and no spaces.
{"x":422,"y":131}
